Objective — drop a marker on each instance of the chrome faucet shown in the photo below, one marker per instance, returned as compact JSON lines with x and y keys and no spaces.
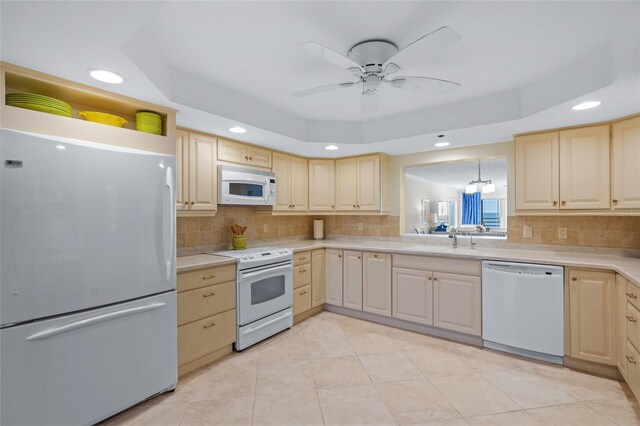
{"x":454,"y":235}
{"x":473,"y":245}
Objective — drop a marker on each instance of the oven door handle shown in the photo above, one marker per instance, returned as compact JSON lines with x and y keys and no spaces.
{"x":267,"y":272}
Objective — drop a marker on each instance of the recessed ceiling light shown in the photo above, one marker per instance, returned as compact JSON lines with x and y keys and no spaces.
{"x":238,"y":130}
{"x":61,"y":147}
{"x":585,"y":105}
{"x":106,"y":76}
{"x":331,"y":147}
{"x":441,"y":144}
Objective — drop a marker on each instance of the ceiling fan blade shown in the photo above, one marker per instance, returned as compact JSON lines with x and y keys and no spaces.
{"x":329,"y":55}
{"x":436,"y":85}
{"x":370,"y":103}
{"x":321,"y":89}
{"x":426,"y":46}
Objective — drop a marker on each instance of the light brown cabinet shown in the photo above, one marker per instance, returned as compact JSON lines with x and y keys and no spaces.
{"x":308,"y":280}
{"x":318,"y":271}
{"x":352,"y":280}
{"x":358,"y":184}
{"x":291,"y":182}
{"x":632,"y":357}
{"x":592,"y":320}
{"x":621,"y":324}
{"x":625,"y":164}
{"x":376,"y":296}
{"x":537,"y":171}
{"x":196,"y":176}
{"x":412,"y":295}
{"x":333,"y":277}
{"x":321,"y":185}
{"x":457,"y":303}
{"x":301,"y":300}
{"x":239,"y":153}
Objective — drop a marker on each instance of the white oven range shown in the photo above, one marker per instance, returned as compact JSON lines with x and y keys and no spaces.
{"x":264,"y":293}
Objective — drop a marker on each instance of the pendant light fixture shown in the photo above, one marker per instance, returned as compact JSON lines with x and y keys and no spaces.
{"x":486,"y":186}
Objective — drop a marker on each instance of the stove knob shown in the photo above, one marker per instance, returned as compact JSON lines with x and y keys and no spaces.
{"x":244,"y":257}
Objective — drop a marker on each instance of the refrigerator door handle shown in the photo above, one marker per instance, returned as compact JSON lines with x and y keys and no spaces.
{"x":172,"y":229}
{"x":94,"y":320}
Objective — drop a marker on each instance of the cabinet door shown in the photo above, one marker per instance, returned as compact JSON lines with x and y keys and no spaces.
{"x":182,"y":170}
{"x":301,"y":299}
{"x":352,"y":278}
{"x":633,"y":368}
{"x":584,"y":168}
{"x":346,"y":184}
{"x":457,"y":303}
{"x":625,"y":164}
{"x":299,"y":185}
{"x":281,"y":167}
{"x":333,"y":279}
{"x":537,"y":172}
{"x":621,"y":324}
{"x":259,"y":157}
{"x":321,"y":185}
{"x":368,"y":183}
{"x":233,"y":152}
{"x":376,"y":297}
{"x":203,"y":188}
{"x":413,"y":295}
{"x":385,"y":184}
{"x":317,"y":278}
{"x":591,"y":306}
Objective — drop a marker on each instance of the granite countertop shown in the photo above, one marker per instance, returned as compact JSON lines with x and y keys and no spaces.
{"x":627,"y":266}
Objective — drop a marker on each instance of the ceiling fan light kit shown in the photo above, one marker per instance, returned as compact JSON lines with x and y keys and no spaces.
{"x":373,"y":62}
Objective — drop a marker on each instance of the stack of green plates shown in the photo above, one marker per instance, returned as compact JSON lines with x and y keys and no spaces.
{"x":38,"y":103}
{"x":149,"y":122}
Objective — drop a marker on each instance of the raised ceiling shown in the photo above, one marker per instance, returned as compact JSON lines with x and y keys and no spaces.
{"x":521,"y":65}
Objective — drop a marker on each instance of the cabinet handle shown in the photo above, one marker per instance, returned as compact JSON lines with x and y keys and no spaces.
{"x":630,"y":295}
{"x":630,"y":318}
{"x":630,"y":359}
{"x":302,"y":270}
{"x":303,"y":292}
{"x":614,"y":202}
{"x":209,"y":294}
{"x":555,"y":203}
{"x":574,"y":279}
{"x":208,"y":277}
{"x":564,"y":203}
{"x":209,"y":325}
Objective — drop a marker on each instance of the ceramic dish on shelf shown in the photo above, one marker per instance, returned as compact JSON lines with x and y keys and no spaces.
{"x":149,"y":122}
{"x":38,"y":103}
{"x":103,"y":118}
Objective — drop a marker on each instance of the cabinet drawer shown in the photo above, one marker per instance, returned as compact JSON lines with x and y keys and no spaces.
{"x":632,"y":319}
{"x":438,"y":264}
{"x":206,"y":301}
{"x":633,"y":293}
{"x":301,"y":299}
{"x":206,"y":277}
{"x":301,"y":258}
{"x":207,"y":335}
{"x":633,"y":368}
{"x":301,"y":275}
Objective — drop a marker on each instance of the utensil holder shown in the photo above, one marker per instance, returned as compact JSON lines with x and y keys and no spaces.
{"x":239,"y":242}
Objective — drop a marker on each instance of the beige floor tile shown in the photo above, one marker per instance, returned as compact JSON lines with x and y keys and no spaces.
{"x":408,"y":341}
{"x":452,"y":422}
{"x":568,"y":415}
{"x":287,"y":348}
{"x":528,"y":390}
{"x":301,"y":408}
{"x":321,"y":328}
{"x":513,"y":418}
{"x":338,"y":372}
{"x":330,"y":346}
{"x":473,"y":395}
{"x":147,"y":414}
{"x":356,"y":326}
{"x":621,"y":411}
{"x":224,"y":382}
{"x":416,"y":402}
{"x":581,"y":386}
{"x":434,"y":362}
{"x":390,"y":367}
{"x":238,"y":411}
{"x":284,"y":377}
{"x":372,"y":343}
{"x":246,"y":357}
{"x":485,"y":360}
{"x":354,"y":405}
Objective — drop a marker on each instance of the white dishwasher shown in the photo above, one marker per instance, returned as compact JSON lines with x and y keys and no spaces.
{"x":523,"y":309}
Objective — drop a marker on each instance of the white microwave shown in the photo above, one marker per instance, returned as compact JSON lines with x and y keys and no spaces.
{"x":242,"y":186}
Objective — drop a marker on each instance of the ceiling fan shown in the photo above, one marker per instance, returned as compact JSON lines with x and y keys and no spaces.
{"x":376,"y":62}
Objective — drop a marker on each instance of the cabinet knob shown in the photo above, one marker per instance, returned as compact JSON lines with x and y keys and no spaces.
{"x":574,"y":279}
{"x":340,"y":255}
{"x":192,"y":203}
{"x":630,"y":295}
{"x":564,"y":203}
{"x":246,"y":157}
{"x":555,"y":203}
{"x":332,"y":206}
{"x":354,"y":206}
{"x":435,"y":279}
{"x":630,"y":318}
{"x":630,"y":359}
{"x":294,"y":206}
{"x":358,"y":205}
{"x":251,"y":158}
{"x":186,"y":203}
{"x":429,"y":278}
{"x":614,"y":202}
{"x":358,"y":257}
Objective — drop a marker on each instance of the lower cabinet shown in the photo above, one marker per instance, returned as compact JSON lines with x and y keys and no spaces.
{"x":621,"y":325}
{"x":632,"y":357}
{"x":457,"y":303}
{"x":352,"y":280}
{"x":412,"y":295}
{"x":301,"y":299}
{"x":308,"y":280}
{"x":376,"y":297}
{"x":592,"y":297}
{"x":317,"y":278}
{"x":333,"y":277}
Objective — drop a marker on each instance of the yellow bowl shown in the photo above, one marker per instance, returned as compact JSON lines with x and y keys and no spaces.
{"x":103,"y":118}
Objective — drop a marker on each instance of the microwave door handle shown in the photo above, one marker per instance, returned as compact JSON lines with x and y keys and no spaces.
{"x":266,"y":272}
{"x":266,"y":190}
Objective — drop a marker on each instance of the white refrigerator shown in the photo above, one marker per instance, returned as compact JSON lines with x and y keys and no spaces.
{"x":87,"y":279}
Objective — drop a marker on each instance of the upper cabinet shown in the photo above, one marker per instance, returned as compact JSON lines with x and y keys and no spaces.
{"x":236,"y":152}
{"x":359,"y":185}
{"x":291,"y":182}
{"x":625,"y":164}
{"x":196,"y":179}
{"x":322,"y":185}
{"x":564,"y":170}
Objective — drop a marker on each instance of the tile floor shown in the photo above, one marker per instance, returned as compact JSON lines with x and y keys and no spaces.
{"x":337,"y":370}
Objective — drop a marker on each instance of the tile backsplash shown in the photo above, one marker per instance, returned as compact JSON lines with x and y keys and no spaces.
{"x":584,"y":231}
